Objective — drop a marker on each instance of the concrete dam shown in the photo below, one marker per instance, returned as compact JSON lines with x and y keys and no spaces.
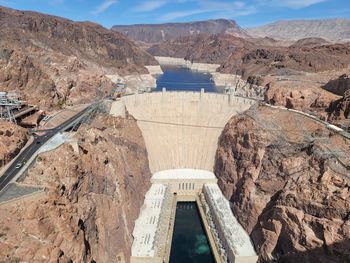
{"x":181,"y":131}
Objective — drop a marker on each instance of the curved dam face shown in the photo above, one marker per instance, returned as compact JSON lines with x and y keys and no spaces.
{"x":181,"y":129}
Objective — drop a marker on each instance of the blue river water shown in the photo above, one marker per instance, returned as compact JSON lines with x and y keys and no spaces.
{"x":176,"y":78}
{"x":190,"y":243}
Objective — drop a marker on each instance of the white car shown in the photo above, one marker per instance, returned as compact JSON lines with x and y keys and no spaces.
{"x":19,"y":165}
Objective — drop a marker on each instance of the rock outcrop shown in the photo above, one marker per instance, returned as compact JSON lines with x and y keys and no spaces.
{"x":91,"y":200}
{"x":287,"y":179}
{"x":339,"y":111}
{"x":12,"y":139}
{"x":297,"y":96}
{"x":338,"y":86}
{"x":310,"y":42}
{"x":53,"y":61}
{"x":285,"y":61}
{"x":311,"y":98}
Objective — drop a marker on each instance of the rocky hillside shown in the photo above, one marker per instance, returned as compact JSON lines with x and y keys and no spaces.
{"x":339,"y":85}
{"x":166,"y":32}
{"x":288,"y":185}
{"x":53,"y":61}
{"x":91,"y":201}
{"x":310,"y":42}
{"x":206,"y":48}
{"x":329,"y":102}
{"x":12,"y":140}
{"x":334,"y":30}
{"x":285,"y":61}
{"x":249,"y":57}
{"x":339,"y":111}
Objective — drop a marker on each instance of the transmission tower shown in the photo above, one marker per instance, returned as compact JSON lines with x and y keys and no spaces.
{"x":9,"y":103}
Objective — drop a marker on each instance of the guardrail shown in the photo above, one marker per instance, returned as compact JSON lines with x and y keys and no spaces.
{"x":328,"y":125}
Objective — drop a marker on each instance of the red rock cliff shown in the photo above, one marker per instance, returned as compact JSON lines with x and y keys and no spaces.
{"x":287,"y":180}
{"x":90,"y":203}
{"x":52,"y":61}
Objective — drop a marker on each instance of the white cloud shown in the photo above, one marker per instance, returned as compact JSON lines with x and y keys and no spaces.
{"x":103,"y":6}
{"x":300,"y":3}
{"x":175,"y":15}
{"x":150,"y":6}
{"x":295,"y":4}
{"x":218,"y":9}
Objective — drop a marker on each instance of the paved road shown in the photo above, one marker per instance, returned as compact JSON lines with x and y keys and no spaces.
{"x":39,"y":141}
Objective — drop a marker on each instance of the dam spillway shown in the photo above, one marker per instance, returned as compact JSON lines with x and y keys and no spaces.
{"x":181,"y":129}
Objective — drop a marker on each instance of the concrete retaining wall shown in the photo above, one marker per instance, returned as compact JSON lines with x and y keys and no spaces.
{"x":154,"y":70}
{"x":136,"y":81}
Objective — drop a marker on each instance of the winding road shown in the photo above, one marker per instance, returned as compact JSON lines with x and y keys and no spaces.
{"x":37,"y":143}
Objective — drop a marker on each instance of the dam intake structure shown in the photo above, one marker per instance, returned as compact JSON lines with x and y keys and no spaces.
{"x":181,"y":132}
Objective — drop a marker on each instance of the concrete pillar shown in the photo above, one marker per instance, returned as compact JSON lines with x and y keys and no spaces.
{"x":231,"y":97}
{"x":202,"y":93}
{"x":123,"y":109}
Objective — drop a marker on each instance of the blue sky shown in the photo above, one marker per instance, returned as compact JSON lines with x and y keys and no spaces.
{"x":247,"y":13}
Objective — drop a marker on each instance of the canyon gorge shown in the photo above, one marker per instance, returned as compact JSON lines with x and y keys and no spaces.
{"x":277,"y":158}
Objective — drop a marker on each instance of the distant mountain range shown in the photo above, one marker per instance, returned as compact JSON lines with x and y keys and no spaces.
{"x":156,"y":33}
{"x":335,"y":30}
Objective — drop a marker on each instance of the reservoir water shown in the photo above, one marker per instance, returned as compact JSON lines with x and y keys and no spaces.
{"x":176,"y":78}
{"x":190,"y":243}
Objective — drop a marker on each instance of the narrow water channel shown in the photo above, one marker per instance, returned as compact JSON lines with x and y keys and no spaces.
{"x":190,"y":243}
{"x":177,"y":78}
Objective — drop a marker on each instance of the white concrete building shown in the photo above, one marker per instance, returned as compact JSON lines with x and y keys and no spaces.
{"x":146,"y":225}
{"x":153,"y":228}
{"x":235,"y":239}
{"x":184,"y":182}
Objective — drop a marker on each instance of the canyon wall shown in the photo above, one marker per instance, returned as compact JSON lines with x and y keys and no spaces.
{"x":54,"y":62}
{"x":287,"y":180}
{"x":330,"y":103}
{"x":91,"y":200}
{"x":156,"y":33}
{"x":12,"y":139}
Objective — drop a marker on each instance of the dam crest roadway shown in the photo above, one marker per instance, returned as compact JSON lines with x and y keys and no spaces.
{"x":181,"y":132}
